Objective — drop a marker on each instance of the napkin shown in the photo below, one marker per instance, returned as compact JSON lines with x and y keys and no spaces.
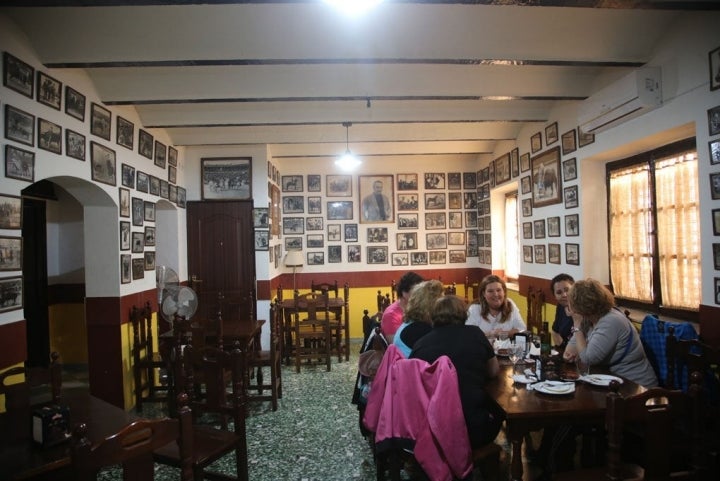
{"x":501,"y":344}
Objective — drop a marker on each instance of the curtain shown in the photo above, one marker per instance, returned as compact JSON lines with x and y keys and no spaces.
{"x":512,"y":246}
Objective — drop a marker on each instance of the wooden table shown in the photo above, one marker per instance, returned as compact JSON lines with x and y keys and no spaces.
{"x":336,"y":305}
{"x":530,"y":410}
{"x":21,"y":458}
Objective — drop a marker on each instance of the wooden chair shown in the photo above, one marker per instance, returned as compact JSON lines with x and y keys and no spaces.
{"x":393,"y":291}
{"x":536,"y":302}
{"x":383,"y":302}
{"x":311,"y":329}
{"x":209,"y":442}
{"x":133,"y":447}
{"x":147,"y":362}
{"x":450,"y":290}
{"x":337,"y":321}
{"x":269,"y":358}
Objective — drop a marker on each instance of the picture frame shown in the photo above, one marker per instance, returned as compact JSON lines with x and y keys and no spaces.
{"x":569,"y":169}
{"x":315,"y":258}
{"x":138,"y":211}
{"x":715,"y":185}
{"x":407,"y":182}
{"x":484,"y":174}
{"x":314,"y":223}
{"x":539,"y":228}
{"x":315,"y":241}
{"x":19,"y":163}
{"x":334,"y":254}
{"x":49,"y":136}
{"x":49,"y":91}
{"x":714,"y":66}
{"x":173,"y":194}
{"x":502,"y":169}
{"x":293,"y":225}
{"x":435,"y":220}
{"x":716,"y":256}
{"x":455,"y":220}
{"x":406,"y":241}
{"x":124,"y":202}
{"x":125,"y":269}
{"x":18,"y":75}
{"x":100,"y":121}
{"x":418,"y":258}
{"x":226,"y":178}
{"x":172,"y":174}
{"x":127,"y":175}
{"x":149,"y":257}
{"x":149,"y":235}
{"x":12,"y":293}
{"x":584,"y":138}
{"x":338,"y":185}
{"x":354,"y":253}
{"x":314,"y":205}
{"x":149,"y":211}
{"x":525,"y":162}
{"x":274,"y":192}
{"x":398,"y":259}
{"x":435,"y":201}
{"x":292,"y":183}
{"x":377,"y":255}
{"x":19,"y":126}
{"x":539,"y":251}
{"x":334,"y":232}
{"x":102,"y":164}
{"x":142,"y":182}
{"x":293,"y":243}
{"x":262,"y":240}
{"x":74,"y":145}
{"x":10,"y":212}
{"x":12,"y":258}
{"x":471,"y":219}
{"x":714,"y":150}
{"x":455,"y":200}
{"x":527,"y":228}
{"x":138,"y":268}
{"x":713,"y":121}
{"x":351,"y":232}
{"x":571,"y":196}
{"x":546,"y":180}
{"x":376,"y":194}
{"x":572,"y":225}
{"x":572,"y":254}
{"x":293,"y":204}
{"x":437,"y":257}
{"x":717,"y":290}
{"x":525,"y":185}
{"x":125,"y":133}
{"x":456,"y":238}
{"x":553,"y":226}
{"x":457,"y":256}
{"x":408,"y":221}
{"x":454,"y":180}
{"x":469,"y":180}
{"x":74,"y":103}
{"x":164,"y":189}
{"x":182,"y":198}
{"x":377,"y":235}
{"x":339,"y":210}
{"x":514,"y":162}
{"x":528,"y":254}
{"x":160,"y":158}
{"x":434,"y":180}
{"x":314,"y":183}
{"x":551,"y":134}
{"x":536,"y":142}
{"x":124,"y":235}
{"x":138,"y":242}
{"x":527,"y":207}
{"x":145,"y":144}
{"x":261,"y":218}
{"x":716,"y":222}
{"x":554,"y":254}
{"x":172,"y":156}
{"x":569,"y":142}
{"x":407,"y":202}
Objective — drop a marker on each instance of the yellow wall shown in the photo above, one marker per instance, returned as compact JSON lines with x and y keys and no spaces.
{"x":10,"y":381}
{"x":68,"y":332}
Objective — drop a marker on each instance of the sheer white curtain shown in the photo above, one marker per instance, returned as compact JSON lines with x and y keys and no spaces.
{"x":512,"y":244}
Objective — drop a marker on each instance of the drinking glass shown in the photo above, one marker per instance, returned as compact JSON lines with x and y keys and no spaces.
{"x":583,"y":368}
{"x":515,"y":352}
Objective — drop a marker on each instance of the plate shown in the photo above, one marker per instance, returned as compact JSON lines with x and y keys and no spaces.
{"x":523,"y":379}
{"x":502,"y":352}
{"x":600,"y":379}
{"x":554,"y":387}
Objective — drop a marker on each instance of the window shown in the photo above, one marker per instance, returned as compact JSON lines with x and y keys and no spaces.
{"x":654,"y":229}
{"x":512,"y":245}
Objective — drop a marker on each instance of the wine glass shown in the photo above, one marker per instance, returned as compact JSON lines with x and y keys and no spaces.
{"x":515,"y":351}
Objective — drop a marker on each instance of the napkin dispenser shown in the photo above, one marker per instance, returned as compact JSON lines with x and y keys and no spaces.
{"x":51,"y":425}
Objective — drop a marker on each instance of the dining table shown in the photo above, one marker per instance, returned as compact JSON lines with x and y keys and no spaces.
{"x":528,"y":409}
{"x":22,"y":458}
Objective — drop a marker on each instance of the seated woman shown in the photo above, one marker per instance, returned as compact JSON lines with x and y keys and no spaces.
{"x":612,"y":341}
{"x":563,"y":324}
{"x":493,"y":312}
{"x":417,"y":321}
{"x":474,"y":361}
{"x":392,"y":318}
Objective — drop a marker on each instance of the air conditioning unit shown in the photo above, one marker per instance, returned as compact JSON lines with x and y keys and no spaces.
{"x":625,"y":99}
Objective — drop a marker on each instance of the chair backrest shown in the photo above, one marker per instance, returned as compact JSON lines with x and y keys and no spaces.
{"x":691,"y":355}
{"x":133,"y":447}
{"x":19,"y":397}
{"x":654,"y":335}
{"x":311,"y":303}
{"x":535,"y":301}
{"x":325,"y":288}
{"x":143,"y":338}
{"x":382,"y":301}
{"x":450,"y":290}
{"x":393,"y":290}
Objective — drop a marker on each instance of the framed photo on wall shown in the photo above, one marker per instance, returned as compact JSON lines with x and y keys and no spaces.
{"x":376,"y":194}
{"x":145,"y":144}
{"x":138,"y":268}
{"x":546,"y":183}
{"x":553,"y":226}
{"x":12,"y":289}
{"x":572,"y":225}
{"x":572,"y":254}
{"x":525,"y":162}
{"x":11,"y":209}
{"x":554,"y":253}
{"x":334,"y":232}
{"x":584,"y":139}
{"x":49,"y":136}
{"x":407,"y":182}
{"x":74,"y":145}
{"x":314,"y":183}
{"x":400,"y":259}
{"x":502,"y":169}
{"x":138,"y":242}
{"x":125,"y":134}
{"x":407,"y":221}
{"x":536,"y":142}
{"x":338,"y":185}
{"x":340,"y":210}
{"x":226,"y":178}
{"x":528,"y":254}
{"x":434,"y":180}
{"x":377,"y":255}
{"x":351,"y":232}
{"x":571,"y":197}
{"x":102,"y":163}
{"x":100,"y":121}
{"x":716,"y":256}
{"x":262,"y":240}
{"x":292,"y":183}
{"x":551,"y":133}
{"x":74,"y":103}
{"x":569,"y":142}
{"x":160,"y":154}
{"x":172,"y":156}
{"x":714,"y":65}
{"x":19,"y":126}
{"x":713,"y":121}
{"x":49,"y":91}
{"x":18,"y":75}
{"x":11,"y":247}
{"x":569,"y":168}
{"x":138,"y":211}
{"x":124,"y":235}
{"x":354,"y":253}
{"x":714,"y":147}
{"x":715,"y":185}
{"x":716,"y":221}
{"x":539,"y":254}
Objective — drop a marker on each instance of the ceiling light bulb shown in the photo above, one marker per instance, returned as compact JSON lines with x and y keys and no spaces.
{"x":348,"y":161}
{"x":353,"y":7}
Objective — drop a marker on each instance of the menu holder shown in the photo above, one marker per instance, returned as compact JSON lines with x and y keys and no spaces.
{"x":51,"y":425}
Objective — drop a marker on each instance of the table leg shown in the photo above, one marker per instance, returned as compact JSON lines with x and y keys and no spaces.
{"x":516,"y":467}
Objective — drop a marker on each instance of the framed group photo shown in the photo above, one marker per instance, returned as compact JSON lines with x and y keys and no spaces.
{"x":338,"y":185}
{"x":226,"y":178}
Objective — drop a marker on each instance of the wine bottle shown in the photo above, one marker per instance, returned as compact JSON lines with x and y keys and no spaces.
{"x":545,"y":340}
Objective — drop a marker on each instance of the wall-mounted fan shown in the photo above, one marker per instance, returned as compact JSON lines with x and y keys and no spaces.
{"x":178,"y":301}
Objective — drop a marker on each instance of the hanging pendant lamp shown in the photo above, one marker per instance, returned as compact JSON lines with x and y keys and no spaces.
{"x":347,"y":161}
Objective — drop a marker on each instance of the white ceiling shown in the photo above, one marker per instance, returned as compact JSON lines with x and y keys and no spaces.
{"x":289,"y":74}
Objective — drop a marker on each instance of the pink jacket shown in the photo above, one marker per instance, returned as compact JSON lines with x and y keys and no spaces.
{"x":411,"y":399}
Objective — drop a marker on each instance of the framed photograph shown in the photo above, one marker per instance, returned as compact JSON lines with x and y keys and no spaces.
{"x":455,"y":200}
{"x":338,"y":185}
{"x":525,"y":162}
{"x":19,"y":163}
{"x":149,"y":211}
{"x":713,"y":121}
{"x":435,"y":220}
{"x":434,"y":180}
{"x":376,"y":194}
{"x":10,"y":212}
{"x":149,"y":236}
{"x":437,"y":257}
{"x":260,"y":217}
{"x":125,"y":134}
{"x":527,"y":207}
{"x":11,"y":289}
{"x":100,"y":121}
{"x":315,"y":241}
{"x":569,"y":168}
{"x":182,"y":196}
{"x":49,"y":91}
{"x":539,"y":228}
{"x":502,"y":169}
{"x":160,"y":154}
{"x":454,"y":180}
{"x":407,"y":221}
{"x":314,"y":183}
{"x":125,"y":269}
{"x":19,"y":126}
{"x":457,"y":256}
{"x":172,"y":156}
{"x":262,"y":240}
{"x":142,"y":182}
{"x":456,"y":238}
{"x":377,"y":235}
{"x":716,"y":256}
{"x":569,"y":142}
{"x":572,"y":254}
{"x":11,"y":249}
{"x":292,"y":183}
{"x":172,"y":174}
{"x":124,"y":195}
{"x":314,"y":223}
{"x":551,"y":134}
{"x":584,"y":139}
{"x":406,"y":241}
{"x":138,"y":268}
{"x":716,"y":221}
{"x":226,"y":178}
{"x":400,"y":259}
{"x":351,"y":232}
{"x":293,"y":243}
{"x":340,"y":210}
{"x":714,"y":147}
{"x":102,"y":163}
{"x":377,"y":255}
{"x":528,"y":254}
{"x":714,"y":64}
{"x":315,"y":258}
{"x":514,"y":162}
{"x":314,"y":204}
{"x":334,"y":232}
{"x":145,"y":144}
{"x":354,"y":253}
{"x":539,"y":254}
{"x":536,"y":143}
{"x":334,"y":254}
{"x":553,"y":226}
{"x":418,"y":258}
{"x":554,"y":253}
{"x":138,"y":242}
{"x":455,"y":220}
{"x":471,"y":219}
{"x":470,"y":180}
{"x":527,"y":230}
{"x":571,"y":196}
{"x":572,"y":225}
{"x":293,"y":204}
{"x":149,"y":260}
{"x":715,"y":185}
{"x":525,"y":186}
{"x":293,"y":225}
{"x":127,"y":175}
{"x":124,"y":235}
{"x":407,"y":202}
{"x":546,"y":185}
{"x":138,"y":211}
{"x":485,"y":174}
{"x":407,"y":182}
{"x":49,"y":136}
{"x":74,"y":103}
{"x":173,"y":194}
{"x":435,"y":201}
{"x":18,"y":75}
{"x":74,"y":145}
